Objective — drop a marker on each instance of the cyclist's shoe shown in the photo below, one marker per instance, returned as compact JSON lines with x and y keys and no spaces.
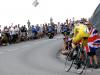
{"x":75,"y":63}
{"x":78,"y":66}
{"x":96,"y":67}
{"x":73,"y":57}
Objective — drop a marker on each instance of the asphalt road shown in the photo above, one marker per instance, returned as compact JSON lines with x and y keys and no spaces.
{"x":33,"y":58}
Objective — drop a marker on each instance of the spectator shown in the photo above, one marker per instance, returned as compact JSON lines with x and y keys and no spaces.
{"x":16,"y":33}
{"x":28,"y":23}
{"x":11,"y":36}
{"x":44,"y":30}
{"x":41,"y":31}
{"x":38,"y":30}
{"x":23,"y":32}
{"x":0,"y":35}
{"x":30,"y":32}
{"x":37,"y":27}
{"x":34,"y":32}
{"x":6,"y":35}
{"x":92,"y":46}
{"x":19,"y":33}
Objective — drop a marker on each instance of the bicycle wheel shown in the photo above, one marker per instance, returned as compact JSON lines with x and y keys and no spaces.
{"x":82,"y":63}
{"x":69,"y":61}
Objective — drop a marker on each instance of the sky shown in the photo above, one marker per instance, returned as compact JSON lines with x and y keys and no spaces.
{"x":19,"y":11}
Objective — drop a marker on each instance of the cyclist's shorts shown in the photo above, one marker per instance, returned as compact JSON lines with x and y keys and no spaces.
{"x":84,"y":42}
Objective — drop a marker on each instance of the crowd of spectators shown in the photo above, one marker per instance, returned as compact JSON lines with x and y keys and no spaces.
{"x":17,"y":33}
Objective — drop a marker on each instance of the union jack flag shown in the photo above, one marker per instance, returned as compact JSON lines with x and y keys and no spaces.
{"x":93,"y":41}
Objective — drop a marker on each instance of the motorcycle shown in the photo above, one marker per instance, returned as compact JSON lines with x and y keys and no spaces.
{"x":23,"y":36}
{"x":4,"y":39}
{"x":50,"y":35}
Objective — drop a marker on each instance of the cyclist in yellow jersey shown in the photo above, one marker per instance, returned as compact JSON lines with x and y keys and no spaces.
{"x":81,"y":33}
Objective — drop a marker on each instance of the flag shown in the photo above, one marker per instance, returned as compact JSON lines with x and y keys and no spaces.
{"x":93,"y":41}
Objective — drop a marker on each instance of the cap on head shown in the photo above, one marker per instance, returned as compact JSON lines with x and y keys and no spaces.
{"x":88,"y":23}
